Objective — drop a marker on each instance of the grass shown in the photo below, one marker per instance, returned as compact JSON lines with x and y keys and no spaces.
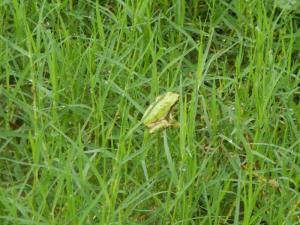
{"x":76,"y":77}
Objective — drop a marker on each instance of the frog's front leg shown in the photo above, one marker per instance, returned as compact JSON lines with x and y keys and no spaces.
{"x":159,"y":125}
{"x":173,"y":122}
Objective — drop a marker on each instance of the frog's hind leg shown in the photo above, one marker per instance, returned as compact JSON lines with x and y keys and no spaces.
{"x":159,"y":126}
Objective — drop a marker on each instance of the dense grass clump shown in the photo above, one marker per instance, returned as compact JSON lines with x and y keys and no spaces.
{"x":76,"y":77}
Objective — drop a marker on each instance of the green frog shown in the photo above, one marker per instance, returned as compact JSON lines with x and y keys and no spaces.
{"x":159,"y":114}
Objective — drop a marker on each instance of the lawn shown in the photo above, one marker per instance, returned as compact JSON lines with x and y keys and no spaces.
{"x":76,"y":77}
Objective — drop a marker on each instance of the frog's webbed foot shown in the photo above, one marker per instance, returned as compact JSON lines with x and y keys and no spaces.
{"x":175,"y":124}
